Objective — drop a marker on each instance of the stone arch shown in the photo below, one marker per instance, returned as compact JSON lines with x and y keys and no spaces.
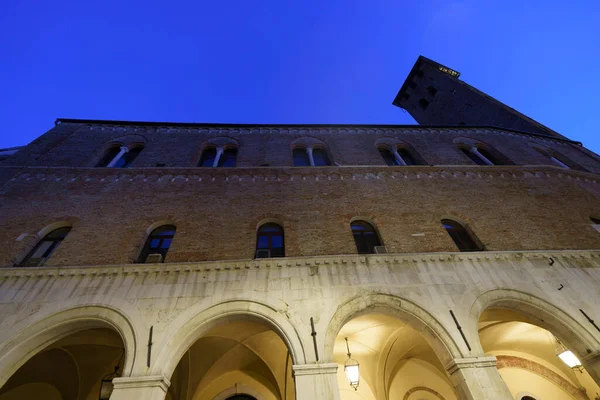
{"x":239,"y":389}
{"x":308,"y":141}
{"x":412,"y":314}
{"x":546,"y":315}
{"x":180,"y":337}
{"x":18,"y":347}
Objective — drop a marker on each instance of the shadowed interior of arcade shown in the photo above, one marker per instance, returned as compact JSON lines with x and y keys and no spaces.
{"x":71,"y":368}
{"x":395,"y":361}
{"x":534,"y":364}
{"x":241,"y":359}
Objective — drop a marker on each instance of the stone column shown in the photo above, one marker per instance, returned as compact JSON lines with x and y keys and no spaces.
{"x":311,"y":160}
{"x":475,"y":151}
{"x":316,"y":381}
{"x":477,"y":378}
{"x":124,"y":149}
{"x":140,"y":388}
{"x":217,"y":156}
{"x":591,"y":363}
{"x":398,"y":158}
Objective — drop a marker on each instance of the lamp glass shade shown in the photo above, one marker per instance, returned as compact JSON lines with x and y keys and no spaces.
{"x":352,"y":373}
{"x":569,"y":358}
{"x":106,"y":389}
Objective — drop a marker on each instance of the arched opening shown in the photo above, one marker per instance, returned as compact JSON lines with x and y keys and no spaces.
{"x":45,"y":247}
{"x":365,"y":236}
{"x":531,"y":359}
{"x":157,"y":244}
{"x":464,"y":240}
{"x":395,"y":360}
{"x":270,"y":241}
{"x":238,"y":357}
{"x":71,"y":368}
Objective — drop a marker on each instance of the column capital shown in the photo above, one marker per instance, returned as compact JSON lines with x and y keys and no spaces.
{"x":470,"y":362}
{"x":315,"y":369}
{"x":591,"y":359}
{"x":130,"y":382}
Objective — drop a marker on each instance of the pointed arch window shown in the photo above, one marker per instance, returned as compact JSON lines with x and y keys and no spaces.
{"x":157,"y":244}
{"x":461,"y":237}
{"x":365,"y":237}
{"x":270,"y":241}
{"x":45,"y":247}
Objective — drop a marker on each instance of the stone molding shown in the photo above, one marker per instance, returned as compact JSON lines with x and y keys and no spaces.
{"x":309,"y":261}
{"x":539,"y":369}
{"x":142,"y":382}
{"x":193,"y":175}
{"x":315,"y":369}
{"x":470,"y":362}
{"x":299,"y":129}
{"x":422,"y":389}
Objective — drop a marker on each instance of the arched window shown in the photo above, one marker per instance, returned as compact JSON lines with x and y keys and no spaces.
{"x":320,"y":157}
{"x":218,"y":157}
{"x":365,"y":237}
{"x":269,"y":241}
{"x":310,"y":156}
{"x":208,"y":157}
{"x":482,"y":154}
{"x":158,"y":244}
{"x":461,"y":236}
{"x":300,"y":157}
{"x":228,"y":158}
{"x":559,"y":159}
{"x":45,"y":247}
{"x":120,"y":156}
{"x":399,"y":156}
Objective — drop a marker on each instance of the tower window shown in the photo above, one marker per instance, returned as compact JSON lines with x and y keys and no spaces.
{"x":461,"y":237}
{"x":45,"y":247}
{"x":365,"y":237}
{"x":269,"y":241}
{"x":228,"y":158}
{"x":208,"y":157}
{"x":423,"y":103}
{"x":431,"y":90}
{"x":158,"y":242}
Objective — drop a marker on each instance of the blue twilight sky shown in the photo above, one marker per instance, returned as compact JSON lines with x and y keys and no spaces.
{"x":306,"y":61}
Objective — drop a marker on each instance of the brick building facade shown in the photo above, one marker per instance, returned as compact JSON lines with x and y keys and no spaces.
{"x":524,"y":196}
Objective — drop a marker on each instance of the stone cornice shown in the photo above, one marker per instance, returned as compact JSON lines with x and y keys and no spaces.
{"x":270,"y":174}
{"x":141,"y":381}
{"x":471,"y":362}
{"x":128,"y":127}
{"x":302,"y":262}
{"x":314,"y":369}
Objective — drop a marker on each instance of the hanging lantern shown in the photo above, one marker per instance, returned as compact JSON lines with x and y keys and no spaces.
{"x":351,"y":368}
{"x":106,"y":385}
{"x":106,"y":389}
{"x":567,"y":356}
